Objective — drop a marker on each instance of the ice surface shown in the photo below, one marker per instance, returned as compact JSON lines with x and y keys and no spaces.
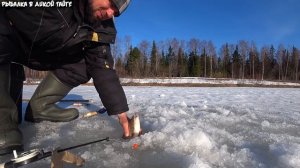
{"x":183,"y":128}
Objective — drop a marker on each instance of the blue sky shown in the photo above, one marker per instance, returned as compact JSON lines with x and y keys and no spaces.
{"x":263,"y":21}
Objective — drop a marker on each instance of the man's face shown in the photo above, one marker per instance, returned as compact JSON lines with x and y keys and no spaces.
{"x":102,"y":9}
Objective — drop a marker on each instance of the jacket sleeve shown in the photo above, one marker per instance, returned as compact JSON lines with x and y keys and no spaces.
{"x":102,"y":32}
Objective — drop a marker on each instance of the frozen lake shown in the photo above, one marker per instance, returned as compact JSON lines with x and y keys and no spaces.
{"x":184,"y":127}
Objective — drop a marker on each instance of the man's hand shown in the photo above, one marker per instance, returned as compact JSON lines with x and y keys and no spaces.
{"x":123,"y":119}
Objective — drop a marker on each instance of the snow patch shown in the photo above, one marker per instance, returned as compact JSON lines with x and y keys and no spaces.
{"x":183,"y":127}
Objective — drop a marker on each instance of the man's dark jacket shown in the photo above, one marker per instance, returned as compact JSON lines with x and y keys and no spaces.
{"x":4,"y":28}
{"x":66,"y":41}
{"x":50,"y":37}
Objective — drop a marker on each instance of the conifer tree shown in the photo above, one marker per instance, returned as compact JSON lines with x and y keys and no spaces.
{"x":133,"y":62}
{"x":170,"y":58}
{"x":194,"y":65}
{"x":154,"y":61}
{"x":180,"y":63}
{"x":236,"y":62}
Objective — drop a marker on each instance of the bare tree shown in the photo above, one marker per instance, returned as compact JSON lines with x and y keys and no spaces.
{"x":174,"y":59}
{"x":193,"y":45}
{"x":244,"y":51}
{"x":203,"y":48}
{"x":128,"y":42}
{"x":212,"y":54}
{"x":175,"y":43}
{"x":280,"y":56}
{"x":253,"y":56}
{"x":127,"y":46}
{"x":144,"y":48}
{"x":225,"y":55}
{"x":296,"y":59}
{"x":231,"y":48}
{"x":264,"y":56}
{"x":287,"y":58}
{"x":116,"y":50}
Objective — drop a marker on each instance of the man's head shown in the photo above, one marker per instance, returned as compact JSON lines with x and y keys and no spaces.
{"x":106,"y":9}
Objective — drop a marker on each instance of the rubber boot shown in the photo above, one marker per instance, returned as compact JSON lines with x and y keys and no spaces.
{"x":10,"y":135}
{"x":16,"y":87}
{"x":42,"y":105}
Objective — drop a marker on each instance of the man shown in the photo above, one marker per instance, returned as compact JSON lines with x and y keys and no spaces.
{"x":71,"y":42}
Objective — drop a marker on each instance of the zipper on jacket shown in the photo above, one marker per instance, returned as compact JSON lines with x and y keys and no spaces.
{"x":82,"y":26}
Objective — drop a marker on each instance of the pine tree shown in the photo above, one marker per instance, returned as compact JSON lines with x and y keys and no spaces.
{"x":154,"y":60}
{"x":180,"y":63}
{"x":219,"y":67}
{"x":163,"y":64}
{"x":236,"y":61}
{"x":170,"y":58}
{"x":194,"y":65}
{"x":133,"y":62}
{"x":272,"y":63}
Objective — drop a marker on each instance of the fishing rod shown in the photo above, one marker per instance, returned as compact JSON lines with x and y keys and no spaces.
{"x":39,"y":154}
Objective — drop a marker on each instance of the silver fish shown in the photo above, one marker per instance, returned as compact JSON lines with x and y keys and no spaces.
{"x":135,"y":126}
